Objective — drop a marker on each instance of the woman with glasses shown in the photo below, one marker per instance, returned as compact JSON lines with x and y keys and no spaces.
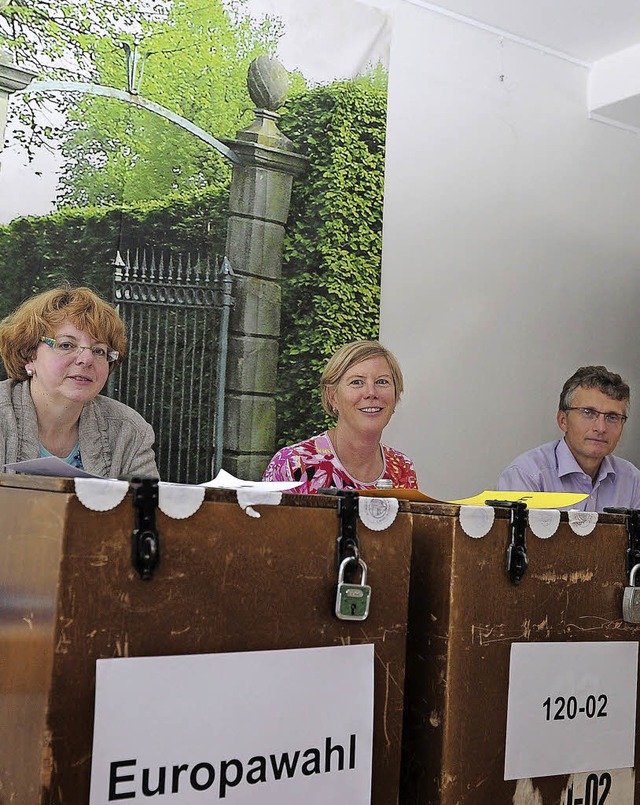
{"x":361,"y":386}
{"x":58,"y":349}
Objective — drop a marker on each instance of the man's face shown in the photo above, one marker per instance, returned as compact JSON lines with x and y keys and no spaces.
{"x":591,"y":440}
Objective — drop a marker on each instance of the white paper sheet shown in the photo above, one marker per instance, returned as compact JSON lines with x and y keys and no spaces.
{"x":571,"y":708}
{"x":52,"y":466}
{"x":224,"y":480}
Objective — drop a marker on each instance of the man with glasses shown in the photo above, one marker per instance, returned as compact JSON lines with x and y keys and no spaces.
{"x":593,"y":408}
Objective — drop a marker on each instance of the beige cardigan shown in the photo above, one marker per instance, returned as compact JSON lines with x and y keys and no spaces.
{"x":115,"y":440}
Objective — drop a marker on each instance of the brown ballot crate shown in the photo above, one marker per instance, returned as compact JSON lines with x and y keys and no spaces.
{"x":226,"y":582}
{"x":464,"y":616}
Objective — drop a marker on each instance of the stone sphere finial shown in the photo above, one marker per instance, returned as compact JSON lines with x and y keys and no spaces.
{"x":268,"y":82}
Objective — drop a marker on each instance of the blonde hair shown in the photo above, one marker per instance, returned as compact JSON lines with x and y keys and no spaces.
{"x":346,"y":357}
{"x":21,"y":331}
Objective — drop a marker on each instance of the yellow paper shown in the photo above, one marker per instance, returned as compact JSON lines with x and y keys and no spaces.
{"x":534,"y":500}
{"x":401,"y":494}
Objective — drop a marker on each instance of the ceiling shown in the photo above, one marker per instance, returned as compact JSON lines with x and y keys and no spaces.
{"x":587,"y":30}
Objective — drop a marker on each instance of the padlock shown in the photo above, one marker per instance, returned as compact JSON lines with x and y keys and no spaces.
{"x":352,"y":600}
{"x":631,"y":599}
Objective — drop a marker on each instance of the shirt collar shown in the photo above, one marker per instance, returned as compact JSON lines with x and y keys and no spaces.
{"x":567,"y":464}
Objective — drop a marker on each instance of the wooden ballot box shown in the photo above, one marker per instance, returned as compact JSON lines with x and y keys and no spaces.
{"x":226,"y":582}
{"x":464,"y":617}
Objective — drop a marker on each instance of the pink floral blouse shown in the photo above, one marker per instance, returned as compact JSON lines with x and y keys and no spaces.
{"x":315,"y":463}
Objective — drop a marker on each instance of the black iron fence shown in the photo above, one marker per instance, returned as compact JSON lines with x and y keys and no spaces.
{"x":176,"y":311}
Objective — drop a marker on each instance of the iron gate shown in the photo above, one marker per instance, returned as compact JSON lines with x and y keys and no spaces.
{"x":176,"y":312}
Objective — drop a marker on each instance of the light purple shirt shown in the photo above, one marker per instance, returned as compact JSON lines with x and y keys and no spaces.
{"x":553,"y":468}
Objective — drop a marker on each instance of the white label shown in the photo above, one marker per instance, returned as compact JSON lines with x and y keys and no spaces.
{"x":613,"y":787}
{"x":377,"y":513}
{"x":476,"y":521}
{"x":571,"y":708}
{"x":292,"y":726}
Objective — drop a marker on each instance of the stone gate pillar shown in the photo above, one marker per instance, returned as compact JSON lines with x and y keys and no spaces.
{"x":259,"y":205}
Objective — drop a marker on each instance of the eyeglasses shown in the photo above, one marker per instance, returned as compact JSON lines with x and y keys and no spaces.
{"x":70,"y":348}
{"x":591,"y":415}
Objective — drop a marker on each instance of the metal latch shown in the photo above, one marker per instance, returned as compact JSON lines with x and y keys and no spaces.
{"x":145,"y":540}
{"x":633,"y":534}
{"x":352,"y":598}
{"x":348,"y":545}
{"x":517,"y":559}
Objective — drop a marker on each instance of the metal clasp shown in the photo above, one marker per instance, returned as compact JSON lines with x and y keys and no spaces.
{"x":517,"y":560}
{"x":348,"y":546}
{"x":145,"y":540}
{"x":632,"y":517}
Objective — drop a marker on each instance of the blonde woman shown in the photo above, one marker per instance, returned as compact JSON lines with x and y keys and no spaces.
{"x":361,"y":386}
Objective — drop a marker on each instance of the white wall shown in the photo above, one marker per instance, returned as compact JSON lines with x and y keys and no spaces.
{"x":511,"y":251}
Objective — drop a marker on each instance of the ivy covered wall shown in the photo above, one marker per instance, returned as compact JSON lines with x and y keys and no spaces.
{"x":333,"y":247}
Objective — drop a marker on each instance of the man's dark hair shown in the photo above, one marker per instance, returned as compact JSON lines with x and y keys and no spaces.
{"x":594,"y":377}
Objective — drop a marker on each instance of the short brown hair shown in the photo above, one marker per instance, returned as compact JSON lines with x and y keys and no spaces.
{"x":346,"y":357}
{"x":594,"y":377}
{"x":21,"y":331}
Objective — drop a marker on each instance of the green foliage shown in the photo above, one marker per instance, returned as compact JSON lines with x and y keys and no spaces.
{"x":80,"y":245}
{"x":332,"y":252}
{"x":193,"y":60}
{"x":57,"y":40}
{"x":195,"y":64}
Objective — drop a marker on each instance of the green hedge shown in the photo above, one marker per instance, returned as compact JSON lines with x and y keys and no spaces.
{"x":332,"y":252}
{"x":80,"y":244}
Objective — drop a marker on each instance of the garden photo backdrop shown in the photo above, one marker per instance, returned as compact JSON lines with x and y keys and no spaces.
{"x":118,"y":177}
